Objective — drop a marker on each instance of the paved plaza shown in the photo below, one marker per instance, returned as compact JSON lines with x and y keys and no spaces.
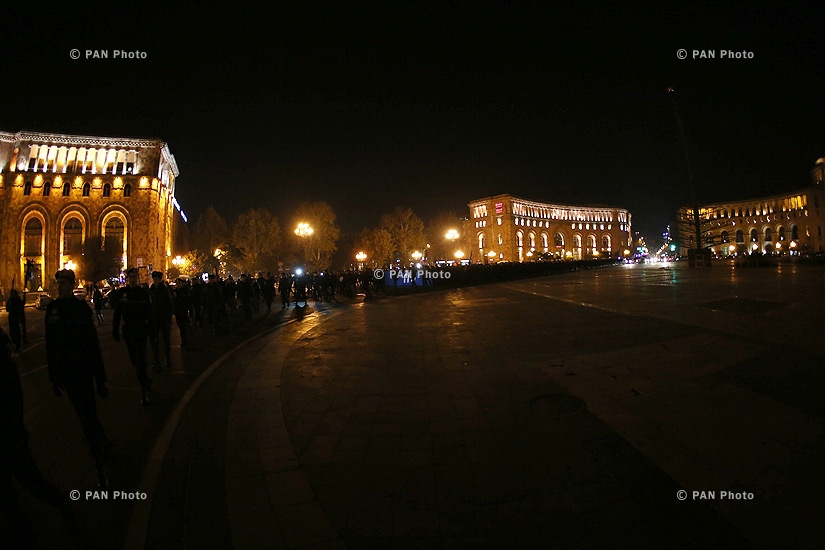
{"x":637,"y":406}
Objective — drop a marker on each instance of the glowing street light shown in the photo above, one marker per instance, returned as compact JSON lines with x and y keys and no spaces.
{"x":70,"y":265}
{"x":361,"y":257}
{"x":459,"y":255}
{"x":416,"y":255}
{"x":451,"y":235}
{"x":303,"y":230}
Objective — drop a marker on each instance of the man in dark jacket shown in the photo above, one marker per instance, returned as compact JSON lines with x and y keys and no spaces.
{"x":132,"y":304}
{"x":162,"y":310}
{"x":76,"y":363}
{"x":17,"y":319}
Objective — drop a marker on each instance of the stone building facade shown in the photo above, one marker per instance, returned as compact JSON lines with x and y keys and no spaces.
{"x":58,"y":190}
{"x":790,"y":223}
{"x":507,"y":228}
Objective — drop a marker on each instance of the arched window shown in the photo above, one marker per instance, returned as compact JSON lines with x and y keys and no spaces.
{"x":577,"y":241}
{"x":114,"y":235}
{"x":740,"y":236}
{"x":500,"y":239}
{"x":66,"y":189}
{"x":754,"y":236}
{"x":558,"y":240}
{"x":606,"y":243}
{"x":768,"y":235}
{"x":86,"y":189}
{"x":519,"y":238}
{"x":545,"y":243}
{"x":72,"y":237}
{"x":794,"y":233}
{"x":33,"y":238}
{"x":47,"y":188}
{"x":27,"y":189}
{"x":725,"y":237}
{"x":107,"y":190}
{"x":532,"y":239}
{"x":127,"y":190}
{"x":781,"y":233}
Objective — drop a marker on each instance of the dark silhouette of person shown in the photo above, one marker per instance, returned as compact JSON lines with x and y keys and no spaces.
{"x":213,"y":303}
{"x":284,"y":288}
{"x":76,"y":363}
{"x":268,"y":291}
{"x":16,"y":460}
{"x":17,"y":319}
{"x":162,"y":308}
{"x":182,"y":300}
{"x":97,"y":298}
{"x":133,"y":306}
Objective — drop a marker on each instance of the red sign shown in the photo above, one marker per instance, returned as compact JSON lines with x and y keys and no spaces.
{"x":499,"y":207}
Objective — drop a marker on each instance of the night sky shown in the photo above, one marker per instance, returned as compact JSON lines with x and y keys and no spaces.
{"x":369,"y":106}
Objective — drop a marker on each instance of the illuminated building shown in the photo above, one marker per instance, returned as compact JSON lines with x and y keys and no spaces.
{"x":790,"y":223}
{"x":506,"y":228}
{"x":58,"y":190}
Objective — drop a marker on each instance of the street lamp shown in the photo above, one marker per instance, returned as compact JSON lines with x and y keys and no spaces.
{"x":417,"y":256}
{"x":303,"y":230}
{"x":361,"y":257}
{"x":459,"y":255}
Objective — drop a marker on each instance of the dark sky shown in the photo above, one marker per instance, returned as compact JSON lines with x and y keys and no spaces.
{"x":369,"y":106}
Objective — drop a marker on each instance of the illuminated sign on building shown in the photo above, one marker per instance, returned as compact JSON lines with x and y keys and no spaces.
{"x":499,"y":207}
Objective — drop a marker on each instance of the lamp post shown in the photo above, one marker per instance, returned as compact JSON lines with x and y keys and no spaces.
{"x":452,"y":235}
{"x":417,"y":257}
{"x":303,"y":231}
{"x":361,"y":257}
{"x":459,"y":255}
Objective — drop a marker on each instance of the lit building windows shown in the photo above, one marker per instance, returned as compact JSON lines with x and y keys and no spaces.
{"x":72,"y":237}
{"x":33,"y":239}
{"x":86,"y":189}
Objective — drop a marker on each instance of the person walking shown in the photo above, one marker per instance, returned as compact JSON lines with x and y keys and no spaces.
{"x":75,"y":363}
{"x":16,"y":460}
{"x":284,"y":288}
{"x":162,"y":310}
{"x":183,"y":308}
{"x":17,"y":319}
{"x":97,"y":298}
{"x":133,"y":306}
{"x":268,"y":291}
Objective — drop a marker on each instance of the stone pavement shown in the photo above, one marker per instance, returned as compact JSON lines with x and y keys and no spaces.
{"x":561,"y":412}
